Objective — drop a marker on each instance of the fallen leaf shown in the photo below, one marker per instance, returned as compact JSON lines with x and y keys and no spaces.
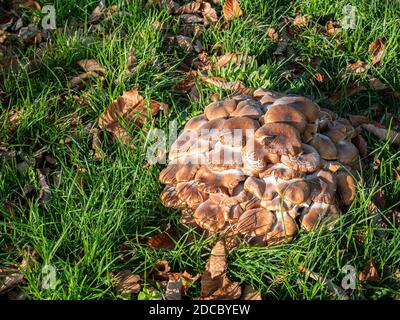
{"x":357,"y":67}
{"x":189,"y":18}
{"x":397,"y":170}
{"x":209,"y":14}
{"x":332,"y":28}
{"x":217,"y":260}
{"x":231,"y":9}
{"x":162,"y":266}
{"x":383,"y":133}
{"x":90,"y":65}
{"x":249,"y":293}
{"x":80,"y":80}
{"x":9,"y":278}
{"x":370,"y":273}
{"x":98,"y":153}
{"x":161,"y":241}
{"x":301,"y":21}
{"x":126,"y":283}
{"x":191,"y":7}
{"x":29,"y":4}
{"x":377,"y":48}
{"x":349,"y":91}
{"x":377,"y":84}
{"x":97,"y":12}
{"x":45,"y":193}
{"x":128,"y":107}
{"x":320,"y":77}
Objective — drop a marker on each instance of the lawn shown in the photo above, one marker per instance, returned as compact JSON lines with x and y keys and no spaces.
{"x":101,"y":212}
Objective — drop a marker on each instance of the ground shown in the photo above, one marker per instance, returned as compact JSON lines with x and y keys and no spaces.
{"x":98,"y":206}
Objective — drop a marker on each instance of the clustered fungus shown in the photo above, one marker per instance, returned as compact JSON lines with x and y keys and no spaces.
{"x":263,"y":166}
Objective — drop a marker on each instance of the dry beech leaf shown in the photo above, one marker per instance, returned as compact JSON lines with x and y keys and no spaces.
{"x":125,"y":282}
{"x":89,"y":65}
{"x":128,"y":107}
{"x":190,"y":18}
{"x":249,"y":293}
{"x":97,"y":12}
{"x":383,"y":133}
{"x":301,"y":21}
{"x":332,"y":28}
{"x":370,"y":273}
{"x":231,"y":9}
{"x":9,"y":278}
{"x":351,"y":90}
{"x":209,"y":14}
{"x":98,"y":153}
{"x":357,"y":67}
{"x":161,"y":241}
{"x":319,"y":77}
{"x":191,"y":7}
{"x":377,"y":48}
{"x":29,"y":4}
{"x":218,"y":260}
{"x":377,"y":84}
{"x":83,"y":78}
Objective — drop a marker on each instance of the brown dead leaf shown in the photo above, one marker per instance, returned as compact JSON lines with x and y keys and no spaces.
{"x":209,"y":14}
{"x":217,"y":260}
{"x":231,"y":9}
{"x":90,"y":65}
{"x":126,"y":283}
{"x":9,"y":278}
{"x":319,"y":77}
{"x":128,"y":107}
{"x":191,"y":7}
{"x":370,"y":273}
{"x":83,"y":78}
{"x":249,"y":293}
{"x":229,"y":291}
{"x":161,"y":241}
{"x":377,"y":48}
{"x":377,"y":84}
{"x":397,"y":170}
{"x":383,"y":133}
{"x":3,"y":36}
{"x":357,"y":67}
{"x":190,"y":18}
{"x":97,"y":12}
{"x":332,"y":28}
{"x":351,"y":90}
{"x":162,"y":266}
{"x":301,"y":21}
{"x":29,"y":4}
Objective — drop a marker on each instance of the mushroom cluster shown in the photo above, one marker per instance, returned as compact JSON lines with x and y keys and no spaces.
{"x":262,"y":166}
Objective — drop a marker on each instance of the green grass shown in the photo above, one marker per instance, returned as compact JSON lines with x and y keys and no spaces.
{"x":95,"y":209}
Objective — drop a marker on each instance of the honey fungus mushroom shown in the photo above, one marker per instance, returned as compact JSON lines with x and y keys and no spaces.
{"x":263,"y":166}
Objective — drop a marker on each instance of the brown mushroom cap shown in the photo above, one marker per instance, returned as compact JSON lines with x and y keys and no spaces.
{"x":306,"y":161}
{"x":279,"y":138}
{"x":210,"y":216}
{"x":346,"y":187}
{"x":335,"y":135}
{"x":282,"y":171}
{"x":169,"y":198}
{"x":325,"y":147}
{"x":307,"y":107}
{"x":210,"y":181}
{"x":220,"y":109}
{"x":286,"y":114}
{"x":322,"y":187}
{"x":189,"y":193}
{"x":284,"y":229}
{"x":255,"y":222}
{"x":267,"y":96}
{"x":318,"y":214}
{"x":347,"y":152}
{"x":309,"y":131}
{"x":276,"y":204}
{"x":261,"y":188}
{"x":224,"y":157}
{"x":296,"y":190}
{"x":195,"y":123}
{"x":255,"y":158}
{"x":247,"y":109}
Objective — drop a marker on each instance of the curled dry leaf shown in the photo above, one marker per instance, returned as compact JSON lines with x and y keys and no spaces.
{"x":191,"y":7}
{"x":98,"y":153}
{"x":9,"y":278}
{"x":209,"y":14}
{"x":370,"y":273}
{"x":383,"y":133}
{"x":126,"y":283}
{"x":332,"y":28}
{"x":357,"y":67}
{"x":273,"y":34}
{"x":128,"y":107}
{"x":161,"y":241}
{"x":97,"y":12}
{"x":231,"y":9}
{"x":83,"y":78}
{"x":217,"y":260}
{"x":174,"y":289}
{"x":29,"y":4}
{"x":89,"y":65}
{"x":377,"y":48}
{"x":249,"y":293}
{"x":301,"y":21}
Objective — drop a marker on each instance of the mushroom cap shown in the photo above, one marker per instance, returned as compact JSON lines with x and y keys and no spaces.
{"x":189,"y":193}
{"x":306,"y":161}
{"x":263,"y":189}
{"x":347,"y":152}
{"x":279,"y":138}
{"x":335,"y":135}
{"x":254,"y":156}
{"x":284,"y":229}
{"x":309,"y":131}
{"x":255,"y":222}
{"x":195,"y":123}
{"x":210,"y":181}
{"x":286,"y":114}
{"x":322,"y":187}
{"x":346,"y":187}
{"x":169,"y":198}
{"x":282,"y":171}
{"x":296,"y":190}
{"x":224,"y":157}
{"x":325,"y":147}
{"x":210,"y":216}
{"x":307,"y":107}
{"x":277,"y":204}
{"x":267,"y":96}
{"x":220,"y":109}
{"x":317,"y":214}
{"x":247,"y":109}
